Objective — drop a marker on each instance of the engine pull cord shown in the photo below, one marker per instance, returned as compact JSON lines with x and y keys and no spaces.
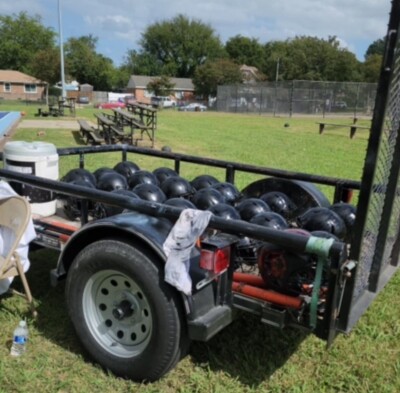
{"x":320,"y":247}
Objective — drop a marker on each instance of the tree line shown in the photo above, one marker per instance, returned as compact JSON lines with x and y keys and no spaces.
{"x":180,"y":47}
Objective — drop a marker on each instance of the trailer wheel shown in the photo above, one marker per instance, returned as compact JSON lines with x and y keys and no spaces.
{"x":127,"y":318}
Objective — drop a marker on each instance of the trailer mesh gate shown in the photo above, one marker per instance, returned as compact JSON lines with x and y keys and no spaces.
{"x":376,"y":241}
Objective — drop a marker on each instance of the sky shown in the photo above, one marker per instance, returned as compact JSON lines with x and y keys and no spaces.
{"x":118,"y":24}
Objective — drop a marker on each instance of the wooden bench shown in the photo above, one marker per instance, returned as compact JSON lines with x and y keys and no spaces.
{"x":90,"y":133}
{"x":143,"y":118}
{"x":110,"y":129}
{"x":353,"y":127}
{"x":127,"y":119}
{"x":118,"y":133}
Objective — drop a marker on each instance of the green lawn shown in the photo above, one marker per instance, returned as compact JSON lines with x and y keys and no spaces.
{"x":247,"y":356}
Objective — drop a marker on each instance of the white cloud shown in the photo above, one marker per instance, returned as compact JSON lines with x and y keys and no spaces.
{"x":108,"y":23}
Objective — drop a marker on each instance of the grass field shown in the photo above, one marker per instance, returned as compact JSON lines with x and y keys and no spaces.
{"x":246,"y":356}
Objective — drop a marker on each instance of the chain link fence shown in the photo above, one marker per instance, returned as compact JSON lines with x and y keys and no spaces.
{"x":298,"y":98}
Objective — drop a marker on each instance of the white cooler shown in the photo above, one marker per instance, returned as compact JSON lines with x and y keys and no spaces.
{"x":34,"y":158}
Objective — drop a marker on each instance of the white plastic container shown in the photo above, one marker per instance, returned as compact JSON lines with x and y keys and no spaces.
{"x":34,"y":158}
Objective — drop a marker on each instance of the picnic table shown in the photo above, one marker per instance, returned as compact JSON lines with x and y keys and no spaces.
{"x":127,"y":119}
{"x":58,"y":108}
{"x":147,"y":116}
{"x":68,"y":103}
{"x":110,"y":130}
{"x":90,"y":134}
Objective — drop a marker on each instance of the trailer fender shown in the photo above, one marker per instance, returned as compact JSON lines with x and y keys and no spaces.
{"x":135,"y":228}
{"x":304,"y":194}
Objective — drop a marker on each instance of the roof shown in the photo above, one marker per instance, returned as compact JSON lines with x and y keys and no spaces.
{"x":141,"y":81}
{"x":250,"y":73}
{"x":17,"y":77}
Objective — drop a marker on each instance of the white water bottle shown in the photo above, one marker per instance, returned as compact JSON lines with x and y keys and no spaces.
{"x":20,"y":339}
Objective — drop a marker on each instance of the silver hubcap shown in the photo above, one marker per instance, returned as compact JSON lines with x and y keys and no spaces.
{"x":117,"y":313}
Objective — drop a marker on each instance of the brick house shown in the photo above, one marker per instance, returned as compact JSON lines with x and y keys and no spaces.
{"x":182,"y":91}
{"x":15,"y":85}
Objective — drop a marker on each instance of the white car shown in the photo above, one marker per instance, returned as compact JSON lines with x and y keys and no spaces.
{"x":193,"y":107}
{"x":163,"y":102}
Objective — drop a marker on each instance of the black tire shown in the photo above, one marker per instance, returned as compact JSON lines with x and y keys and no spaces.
{"x":106,"y":281}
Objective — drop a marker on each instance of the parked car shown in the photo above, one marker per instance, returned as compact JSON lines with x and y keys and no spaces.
{"x":193,"y":107}
{"x":83,"y":100}
{"x":110,"y":105}
{"x":339,"y":105}
{"x":130,"y":100}
{"x":163,"y":102}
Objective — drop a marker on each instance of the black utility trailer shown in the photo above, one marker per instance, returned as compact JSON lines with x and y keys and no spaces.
{"x":135,"y":324}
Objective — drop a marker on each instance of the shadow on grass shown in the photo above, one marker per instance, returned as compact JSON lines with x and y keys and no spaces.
{"x":248,"y":350}
{"x":78,"y":138}
{"x":52,"y":321}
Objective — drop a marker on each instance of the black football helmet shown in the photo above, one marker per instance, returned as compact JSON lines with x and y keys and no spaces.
{"x":228,"y":191}
{"x":79,"y":174}
{"x":347,"y":212}
{"x":126,"y":168}
{"x":279,"y":203}
{"x":325,"y":235}
{"x":223,"y":210}
{"x":250,"y":207}
{"x":103,"y":210}
{"x":176,"y":187}
{"x":101,"y":171}
{"x":72,"y":206}
{"x":142,"y":177}
{"x":150,"y":192}
{"x":207,"y":197}
{"x":203,"y":181}
{"x":322,"y":219}
{"x":270,"y":220}
{"x":180,"y":202}
{"x":163,"y":173}
{"x":112,"y":181}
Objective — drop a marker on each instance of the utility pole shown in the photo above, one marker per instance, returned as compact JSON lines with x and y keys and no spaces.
{"x":276,"y":86}
{"x":61,"y":51}
{"x":277,"y":70}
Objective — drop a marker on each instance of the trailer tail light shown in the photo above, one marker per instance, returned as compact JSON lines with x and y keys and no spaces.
{"x":216,"y":260}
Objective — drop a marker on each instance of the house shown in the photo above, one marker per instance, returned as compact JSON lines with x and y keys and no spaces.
{"x":15,"y":85}
{"x":183,"y":88}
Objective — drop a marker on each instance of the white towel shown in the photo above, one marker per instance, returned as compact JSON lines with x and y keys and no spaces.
{"x":178,"y":245}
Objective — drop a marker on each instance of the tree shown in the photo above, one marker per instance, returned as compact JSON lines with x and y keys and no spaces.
{"x":376,"y":48}
{"x":142,"y":64}
{"x":45,"y":65}
{"x":244,"y":50}
{"x":311,"y":58}
{"x":87,"y":66}
{"x":372,"y":68}
{"x":212,"y":74}
{"x":160,"y":86}
{"x":22,"y":37}
{"x":180,"y":45}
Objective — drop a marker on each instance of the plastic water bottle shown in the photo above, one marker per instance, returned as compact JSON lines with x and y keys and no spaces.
{"x":20,"y":339}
